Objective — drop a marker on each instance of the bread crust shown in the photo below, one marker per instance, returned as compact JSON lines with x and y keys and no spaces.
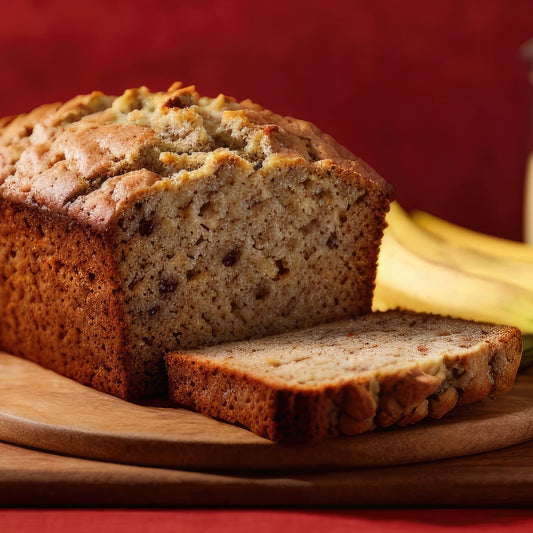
{"x":312,"y":412}
{"x":60,"y":298}
{"x":59,"y":153}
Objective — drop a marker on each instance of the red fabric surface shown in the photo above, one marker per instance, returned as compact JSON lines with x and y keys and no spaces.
{"x":429,"y":93}
{"x":260,"y":521}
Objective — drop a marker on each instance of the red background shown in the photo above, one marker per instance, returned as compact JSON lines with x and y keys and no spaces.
{"x":432,"y":94}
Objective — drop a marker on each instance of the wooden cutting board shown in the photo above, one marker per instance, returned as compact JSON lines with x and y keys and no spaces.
{"x":40,"y":409}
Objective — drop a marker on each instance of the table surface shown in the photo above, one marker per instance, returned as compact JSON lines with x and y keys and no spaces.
{"x":235,"y":520}
{"x":263,"y":520}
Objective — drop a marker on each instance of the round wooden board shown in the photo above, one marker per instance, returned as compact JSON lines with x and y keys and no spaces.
{"x":44,"y":410}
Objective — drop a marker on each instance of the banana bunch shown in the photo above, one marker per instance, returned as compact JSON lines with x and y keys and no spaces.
{"x":428,"y":264}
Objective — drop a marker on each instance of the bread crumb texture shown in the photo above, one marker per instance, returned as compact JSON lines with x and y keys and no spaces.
{"x":348,"y":377}
{"x":144,"y":223}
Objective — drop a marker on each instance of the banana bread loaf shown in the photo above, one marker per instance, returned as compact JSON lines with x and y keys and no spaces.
{"x":378,"y":370}
{"x":136,"y":225}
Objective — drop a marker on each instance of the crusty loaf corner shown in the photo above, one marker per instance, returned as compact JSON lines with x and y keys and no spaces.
{"x":137,"y":225}
{"x":349,"y":377}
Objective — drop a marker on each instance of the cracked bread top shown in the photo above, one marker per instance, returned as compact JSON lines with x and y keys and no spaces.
{"x":88,"y":158}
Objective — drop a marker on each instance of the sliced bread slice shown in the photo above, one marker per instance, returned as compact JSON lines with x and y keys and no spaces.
{"x":347,"y":377}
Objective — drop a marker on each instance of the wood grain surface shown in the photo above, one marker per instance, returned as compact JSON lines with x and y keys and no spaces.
{"x":43,"y":410}
{"x":502,"y":478}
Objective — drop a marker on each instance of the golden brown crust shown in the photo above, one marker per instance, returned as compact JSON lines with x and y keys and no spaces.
{"x":320,"y":145}
{"x":59,"y":304}
{"x":58,"y":153}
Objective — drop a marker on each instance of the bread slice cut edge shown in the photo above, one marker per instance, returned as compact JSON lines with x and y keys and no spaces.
{"x":300,"y":387}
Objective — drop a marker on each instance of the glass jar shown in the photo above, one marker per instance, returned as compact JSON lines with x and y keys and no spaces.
{"x":526,"y":53}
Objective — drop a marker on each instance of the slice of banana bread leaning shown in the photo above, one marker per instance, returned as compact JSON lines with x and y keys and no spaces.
{"x":137,"y":225}
{"x":348,"y":377}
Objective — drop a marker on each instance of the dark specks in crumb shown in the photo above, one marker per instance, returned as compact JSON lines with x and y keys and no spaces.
{"x":333,"y":242}
{"x":153,"y":310}
{"x":231,"y":258}
{"x":146,"y":227}
{"x":282,"y":269}
{"x":167,"y":285}
{"x":191,"y":274}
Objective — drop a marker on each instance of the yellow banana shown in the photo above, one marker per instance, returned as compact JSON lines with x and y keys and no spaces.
{"x":405,"y":279}
{"x":487,"y":244}
{"x":418,"y":240}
